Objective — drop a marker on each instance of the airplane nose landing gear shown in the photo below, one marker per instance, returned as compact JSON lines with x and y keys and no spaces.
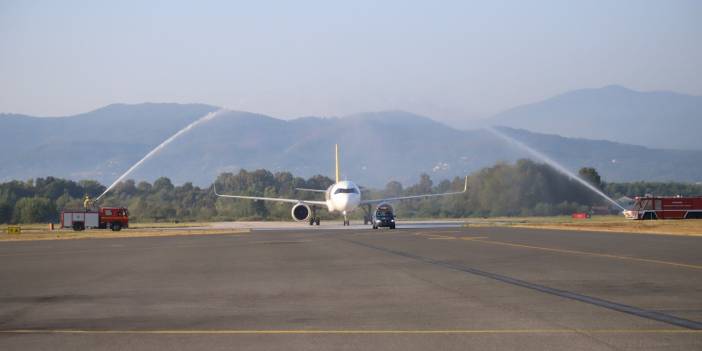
{"x":346,"y":219}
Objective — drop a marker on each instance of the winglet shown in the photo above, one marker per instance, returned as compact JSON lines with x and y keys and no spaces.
{"x":465,"y":187}
{"x":214,"y":185}
{"x":336,"y":152}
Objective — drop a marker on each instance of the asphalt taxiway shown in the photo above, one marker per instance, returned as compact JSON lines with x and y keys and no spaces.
{"x":413,"y":288}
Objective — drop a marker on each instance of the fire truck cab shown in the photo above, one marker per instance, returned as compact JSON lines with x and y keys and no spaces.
{"x":665,"y":207}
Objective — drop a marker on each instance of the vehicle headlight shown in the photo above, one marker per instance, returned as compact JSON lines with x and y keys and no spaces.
{"x":392,"y":220}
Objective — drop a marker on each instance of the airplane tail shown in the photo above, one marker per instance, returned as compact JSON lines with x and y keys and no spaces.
{"x":336,"y":151}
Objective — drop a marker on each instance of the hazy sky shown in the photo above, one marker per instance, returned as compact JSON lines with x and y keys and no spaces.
{"x":450,"y":60}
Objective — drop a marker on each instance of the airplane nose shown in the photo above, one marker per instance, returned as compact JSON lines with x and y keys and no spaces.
{"x":341,"y":202}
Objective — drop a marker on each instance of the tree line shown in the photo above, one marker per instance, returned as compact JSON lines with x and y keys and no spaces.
{"x":525,"y":188}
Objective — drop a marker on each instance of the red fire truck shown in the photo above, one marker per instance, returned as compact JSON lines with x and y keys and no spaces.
{"x":114,"y":218}
{"x":665,"y":207}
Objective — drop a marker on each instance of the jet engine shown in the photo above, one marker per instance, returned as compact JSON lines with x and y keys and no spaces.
{"x":301,"y":212}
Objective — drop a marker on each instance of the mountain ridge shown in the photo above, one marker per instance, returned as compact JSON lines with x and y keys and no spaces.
{"x":376,"y":147}
{"x":658,"y":119}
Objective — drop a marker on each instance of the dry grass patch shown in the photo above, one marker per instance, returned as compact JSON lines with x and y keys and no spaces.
{"x":689,"y":227}
{"x":42,"y":232}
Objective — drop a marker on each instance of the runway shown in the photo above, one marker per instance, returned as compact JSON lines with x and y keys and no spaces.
{"x":447,"y":288}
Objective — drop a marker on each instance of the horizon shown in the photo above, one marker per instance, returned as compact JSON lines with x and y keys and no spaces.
{"x":457,"y":62}
{"x":289,"y":118}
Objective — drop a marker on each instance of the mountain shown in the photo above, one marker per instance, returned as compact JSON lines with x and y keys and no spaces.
{"x":615,"y":161}
{"x":375,"y":147}
{"x":655,"y":119}
{"x":93,"y":145}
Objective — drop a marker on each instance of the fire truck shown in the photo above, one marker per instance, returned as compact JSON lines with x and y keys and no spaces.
{"x":114,"y":218}
{"x":665,"y":207}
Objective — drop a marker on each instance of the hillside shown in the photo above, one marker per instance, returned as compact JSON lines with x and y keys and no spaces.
{"x":376,"y":147}
{"x":655,"y":119}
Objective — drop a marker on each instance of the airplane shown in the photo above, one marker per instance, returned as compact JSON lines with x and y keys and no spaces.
{"x":343,"y":196}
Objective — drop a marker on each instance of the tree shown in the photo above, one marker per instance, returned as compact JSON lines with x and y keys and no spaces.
{"x":126,"y":187}
{"x":393,"y":189}
{"x":522,"y":188}
{"x":590,"y":175}
{"x":92,"y":188}
{"x":144,"y":187}
{"x":5,"y":213}
{"x":423,"y":187}
{"x":34,"y":210}
{"x":163,"y":184}
{"x":319,"y":182}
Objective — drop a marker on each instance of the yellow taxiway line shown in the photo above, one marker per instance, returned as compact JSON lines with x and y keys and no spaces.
{"x":352,"y":331}
{"x":619,"y":257}
{"x":583,"y":253}
{"x":441,"y":237}
{"x":599,"y":230}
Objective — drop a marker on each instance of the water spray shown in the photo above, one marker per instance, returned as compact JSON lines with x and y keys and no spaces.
{"x":553,"y":164}
{"x":160,"y":147}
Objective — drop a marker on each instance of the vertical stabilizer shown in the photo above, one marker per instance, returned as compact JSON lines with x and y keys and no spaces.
{"x":336,"y":151}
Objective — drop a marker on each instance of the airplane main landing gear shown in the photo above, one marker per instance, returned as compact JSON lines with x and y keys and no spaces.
{"x":313,"y":218}
{"x":367,"y":218}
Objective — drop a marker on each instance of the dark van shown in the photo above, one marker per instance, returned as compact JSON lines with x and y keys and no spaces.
{"x":384,"y":217}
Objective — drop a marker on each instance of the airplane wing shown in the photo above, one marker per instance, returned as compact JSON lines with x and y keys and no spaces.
{"x":277,"y":199}
{"x":311,"y":190}
{"x":391,"y":199}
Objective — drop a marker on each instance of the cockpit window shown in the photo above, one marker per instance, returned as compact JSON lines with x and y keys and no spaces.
{"x":346,"y":191}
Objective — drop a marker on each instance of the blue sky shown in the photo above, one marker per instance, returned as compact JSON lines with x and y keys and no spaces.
{"x":451,"y":60}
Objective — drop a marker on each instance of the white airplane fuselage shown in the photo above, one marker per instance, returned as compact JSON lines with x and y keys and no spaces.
{"x":343,"y":196}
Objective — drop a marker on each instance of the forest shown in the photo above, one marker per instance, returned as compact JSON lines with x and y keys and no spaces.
{"x":525,"y":188}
